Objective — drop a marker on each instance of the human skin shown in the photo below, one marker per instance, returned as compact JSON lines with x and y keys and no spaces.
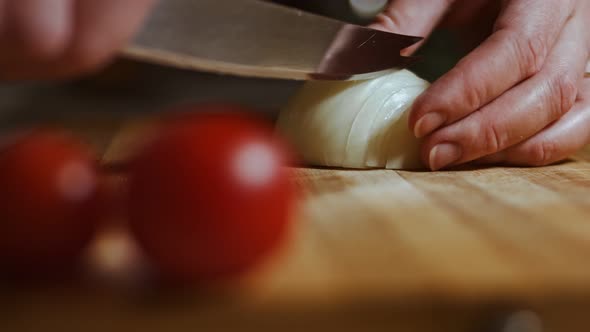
{"x":55,"y":39}
{"x":519,"y":97}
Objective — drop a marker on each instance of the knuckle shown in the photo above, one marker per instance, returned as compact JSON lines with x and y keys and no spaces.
{"x":426,"y":102}
{"x":564,"y":91}
{"x":474,"y":95}
{"x":493,"y":139}
{"x":531,"y":50}
{"x":543,"y":153}
{"x":458,"y":93}
{"x":472,"y":91}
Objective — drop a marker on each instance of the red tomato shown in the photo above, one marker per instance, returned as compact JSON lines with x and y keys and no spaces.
{"x":48,"y":201}
{"x":208,"y":196}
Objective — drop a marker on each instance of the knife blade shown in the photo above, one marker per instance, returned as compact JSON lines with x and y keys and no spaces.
{"x":261,"y":39}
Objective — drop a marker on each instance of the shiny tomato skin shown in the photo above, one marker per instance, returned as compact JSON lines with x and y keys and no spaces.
{"x":208,"y":197}
{"x":49,"y":202}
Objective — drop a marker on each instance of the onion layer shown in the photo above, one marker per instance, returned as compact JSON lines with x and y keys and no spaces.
{"x":355,"y":124}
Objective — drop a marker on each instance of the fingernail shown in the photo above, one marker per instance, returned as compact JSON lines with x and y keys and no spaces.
{"x":443,"y":155}
{"x":428,"y":123}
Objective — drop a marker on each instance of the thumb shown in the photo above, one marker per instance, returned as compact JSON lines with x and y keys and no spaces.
{"x":412,"y":17}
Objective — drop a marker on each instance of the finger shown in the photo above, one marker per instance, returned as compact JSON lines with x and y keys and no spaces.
{"x":35,"y":29}
{"x":412,"y":17}
{"x":33,"y":34}
{"x":555,"y":143}
{"x":519,"y":113}
{"x":524,"y":34}
{"x":101,"y":29}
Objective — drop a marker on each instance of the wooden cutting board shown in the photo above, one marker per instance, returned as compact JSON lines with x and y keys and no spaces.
{"x":375,"y":250}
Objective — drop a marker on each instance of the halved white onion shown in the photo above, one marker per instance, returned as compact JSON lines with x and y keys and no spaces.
{"x":358,"y":124}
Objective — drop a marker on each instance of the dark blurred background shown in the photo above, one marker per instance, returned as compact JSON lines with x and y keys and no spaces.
{"x":129,"y":88}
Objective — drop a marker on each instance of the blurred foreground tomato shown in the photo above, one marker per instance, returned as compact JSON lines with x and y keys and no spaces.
{"x":209,"y":196}
{"x":48,"y":201}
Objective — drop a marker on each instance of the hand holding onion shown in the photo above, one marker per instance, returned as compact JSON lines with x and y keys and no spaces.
{"x":520,"y":97}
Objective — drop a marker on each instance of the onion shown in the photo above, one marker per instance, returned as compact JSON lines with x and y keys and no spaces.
{"x":367,"y":8}
{"x":355,"y":124}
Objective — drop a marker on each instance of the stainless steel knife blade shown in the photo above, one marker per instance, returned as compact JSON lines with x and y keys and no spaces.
{"x":261,"y":39}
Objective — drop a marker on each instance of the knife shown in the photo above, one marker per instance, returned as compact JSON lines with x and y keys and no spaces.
{"x":261,"y":39}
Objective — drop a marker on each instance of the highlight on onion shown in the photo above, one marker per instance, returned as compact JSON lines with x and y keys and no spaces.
{"x":355,"y":124}
{"x":367,"y":9}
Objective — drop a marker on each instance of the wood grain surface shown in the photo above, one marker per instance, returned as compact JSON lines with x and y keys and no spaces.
{"x":370,"y":250}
